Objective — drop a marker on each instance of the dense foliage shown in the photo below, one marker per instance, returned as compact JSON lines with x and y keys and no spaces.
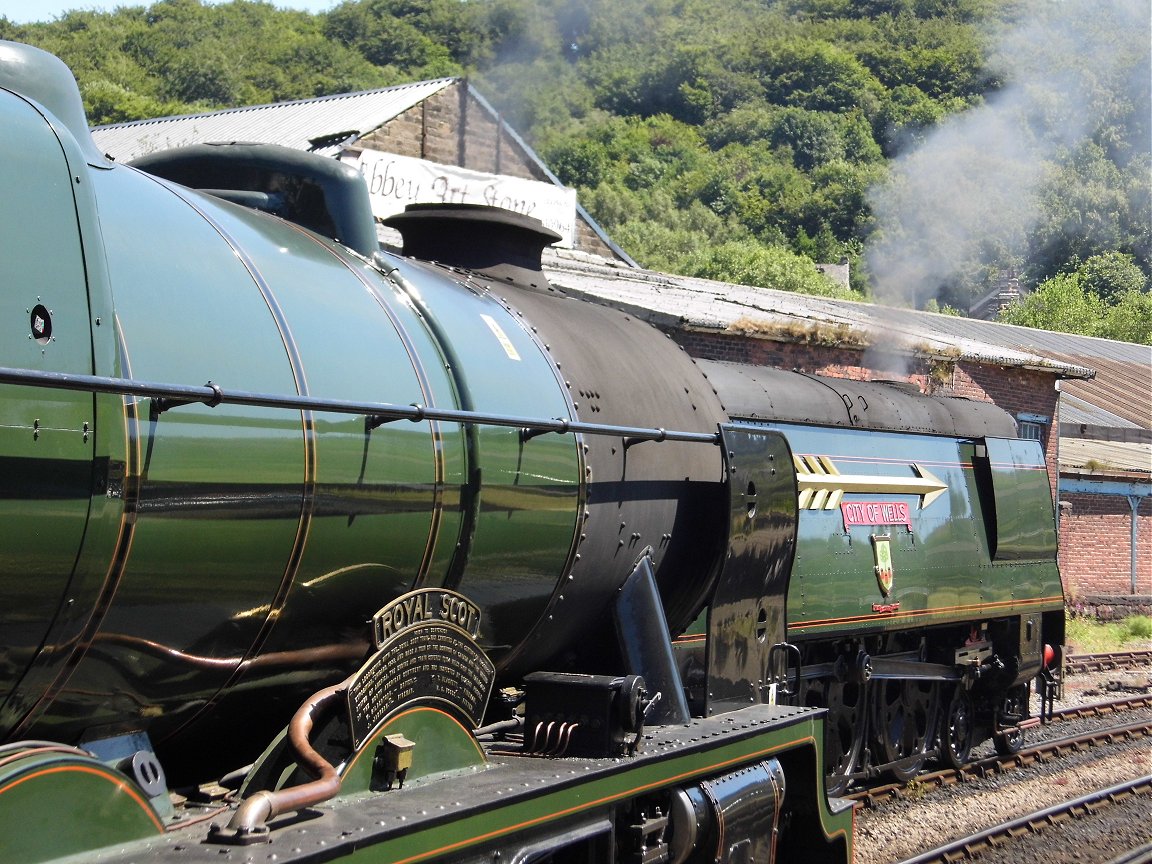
{"x":935,"y":144}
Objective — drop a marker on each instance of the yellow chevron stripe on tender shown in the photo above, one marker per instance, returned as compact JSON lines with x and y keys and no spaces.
{"x":820,"y":485}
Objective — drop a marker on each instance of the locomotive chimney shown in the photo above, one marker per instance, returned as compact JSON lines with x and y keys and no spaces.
{"x":499,"y":243}
{"x":36,"y":73}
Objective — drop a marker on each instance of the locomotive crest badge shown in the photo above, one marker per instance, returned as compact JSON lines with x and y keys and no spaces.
{"x":882,"y":551}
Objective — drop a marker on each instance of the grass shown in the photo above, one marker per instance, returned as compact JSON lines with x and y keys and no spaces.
{"x":1089,"y":636}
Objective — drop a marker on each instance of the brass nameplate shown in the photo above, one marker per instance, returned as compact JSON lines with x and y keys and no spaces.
{"x":427,"y":654}
{"x":428,"y":604}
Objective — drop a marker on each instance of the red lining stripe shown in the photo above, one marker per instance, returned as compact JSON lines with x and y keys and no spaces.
{"x":920,"y":613}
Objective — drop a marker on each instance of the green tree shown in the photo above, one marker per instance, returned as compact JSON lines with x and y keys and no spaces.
{"x":1085,"y":209}
{"x":939,"y":308}
{"x":378,"y":31}
{"x":1060,"y":303}
{"x":1129,"y":319}
{"x":814,"y":74}
{"x":1111,"y":276}
{"x":751,"y":263}
{"x":774,"y":119}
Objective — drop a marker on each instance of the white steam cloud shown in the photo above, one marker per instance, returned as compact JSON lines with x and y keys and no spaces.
{"x":968,"y":192}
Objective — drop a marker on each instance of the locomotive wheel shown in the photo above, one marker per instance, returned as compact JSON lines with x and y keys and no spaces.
{"x":956,"y":730}
{"x":1015,"y":705}
{"x":904,"y":718}
{"x":843,"y":729}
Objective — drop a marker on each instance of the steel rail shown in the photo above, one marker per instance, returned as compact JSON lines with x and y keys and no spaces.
{"x":1099,"y":709}
{"x":1141,"y":855}
{"x":872,"y":796}
{"x":1085,"y":804}
{"x":169,"y":396}
{"x":1079,"y":664}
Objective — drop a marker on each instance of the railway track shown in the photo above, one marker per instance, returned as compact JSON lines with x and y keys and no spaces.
{"x":877,"y":795}
{"x":1082,"y":664}
{"x":893,"y":824}
{"x":1100,"y":709}
{"x":945,"y":804}
{"x":1006,"y":832}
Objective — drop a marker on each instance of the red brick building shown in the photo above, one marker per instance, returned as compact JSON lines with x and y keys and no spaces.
{"x":1095,"y":554}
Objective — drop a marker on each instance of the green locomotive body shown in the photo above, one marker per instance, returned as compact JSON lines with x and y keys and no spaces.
{"x":924,"y":588}
{"x":948,"y":560}
{"x":311,"y":551}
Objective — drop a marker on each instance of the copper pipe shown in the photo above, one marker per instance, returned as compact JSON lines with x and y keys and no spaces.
{"x":251,"y":818}
{"x":1030,"y":723}
{"x":21,"y":749}
{"x":274,"y":660}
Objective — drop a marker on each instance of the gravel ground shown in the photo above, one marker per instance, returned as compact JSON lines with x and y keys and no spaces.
{"x":1100,"y":686}
{"x":905,"y":828}
{"x":915,"y":824}
{"x":1108,"y":834}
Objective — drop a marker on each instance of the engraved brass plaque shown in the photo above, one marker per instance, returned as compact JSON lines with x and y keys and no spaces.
{"x":427,"y":654}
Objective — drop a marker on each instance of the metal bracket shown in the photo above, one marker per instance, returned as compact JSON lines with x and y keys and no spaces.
{"x":160,"y":404}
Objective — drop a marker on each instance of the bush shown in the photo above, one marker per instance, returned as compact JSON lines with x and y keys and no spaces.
{"x":1086,"y":635}
{"x":1138,"y":627}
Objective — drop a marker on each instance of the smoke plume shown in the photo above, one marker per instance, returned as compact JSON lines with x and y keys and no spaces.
{"x":967,"y":195}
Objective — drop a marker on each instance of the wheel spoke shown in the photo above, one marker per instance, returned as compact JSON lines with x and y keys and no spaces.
{"x":1015,"y":706}
{"x":904,"y":721}
{"x":956,"y":729}
{"x":843,"y":729}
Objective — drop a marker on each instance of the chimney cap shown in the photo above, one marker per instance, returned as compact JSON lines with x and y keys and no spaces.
{"x":502,"y":243}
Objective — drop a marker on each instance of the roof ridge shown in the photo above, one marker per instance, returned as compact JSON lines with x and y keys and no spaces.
{"x":240,"y":109}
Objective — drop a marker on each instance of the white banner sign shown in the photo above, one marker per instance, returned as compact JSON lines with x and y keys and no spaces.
{"x":396,"y":181}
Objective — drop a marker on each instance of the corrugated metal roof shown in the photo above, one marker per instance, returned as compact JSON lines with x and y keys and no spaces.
{"x":1105,"y":457}
{"x":1123,"y":382}
{"x":704,"y":304}
{"x":291,"y":124}
{"x":1118,"y":394}
{"x":1076,"y":411}
{"x":1122,"y":387}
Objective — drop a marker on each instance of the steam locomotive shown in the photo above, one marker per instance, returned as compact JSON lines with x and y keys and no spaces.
{"x":441,"y":563}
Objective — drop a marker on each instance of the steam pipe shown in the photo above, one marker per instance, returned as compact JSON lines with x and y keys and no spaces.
{"x":299,"y":657}
{"x":249,"y":822}
{"x":169,"y":396}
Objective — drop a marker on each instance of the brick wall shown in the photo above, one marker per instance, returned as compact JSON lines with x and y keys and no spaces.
{"x":1095,"y":550}
{"x":427,"y":131}
{"x":835,"y":360}
{"x":432,"y":131}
